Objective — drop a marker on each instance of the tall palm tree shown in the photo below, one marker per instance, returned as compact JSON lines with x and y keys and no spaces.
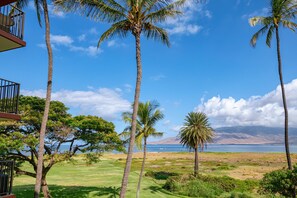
{"x":195,"y":133}
{"x":129,"y":16}
{"x":41,"y":6}
{"x":281,"y":12}
{"x":147,"y":117}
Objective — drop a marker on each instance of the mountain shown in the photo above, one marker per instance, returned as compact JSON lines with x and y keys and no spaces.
{"x":244,"y":135}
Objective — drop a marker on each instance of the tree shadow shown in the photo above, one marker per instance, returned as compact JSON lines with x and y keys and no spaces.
{"x":156,"y":189}
{"x":25,"y":191}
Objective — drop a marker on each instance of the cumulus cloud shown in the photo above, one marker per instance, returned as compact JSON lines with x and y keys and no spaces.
{"x":266,"y":110}
{"x":185,"y":24}
{"x":61,"y":39}
{"x":68,"y":42}
{"x":103,"y":102}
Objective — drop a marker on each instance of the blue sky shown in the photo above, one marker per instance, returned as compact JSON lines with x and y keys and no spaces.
{"x":210,"y":67}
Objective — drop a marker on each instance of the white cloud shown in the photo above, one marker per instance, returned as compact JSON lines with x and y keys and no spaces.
{"x":51,"y":8}
{"x":82,"y":37}
{"x":61,"y":40}
{"x":111,"y":43}
{"x":262,"y":12}
{"x":128,"y":88}
{"x":91,"y":50}
{"x":176,"y":128}
{"x":67,"y":41}
{"x":264,"y":110}
{"x":157,"y":77}
{"x":185,"y":24}
{"x":103,"y":102}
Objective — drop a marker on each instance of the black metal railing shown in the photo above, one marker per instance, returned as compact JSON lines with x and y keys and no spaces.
{"x":9,"y":96}
{"x":6,"y":177}
{"x":12,"y":20}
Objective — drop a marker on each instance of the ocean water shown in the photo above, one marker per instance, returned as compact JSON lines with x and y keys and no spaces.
{"x":258,"y":148}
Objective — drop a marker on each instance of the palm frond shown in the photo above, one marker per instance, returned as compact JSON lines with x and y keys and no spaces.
{"x":156,"y":33}
{"x":269,"y":36}
{"x":257,"y":34}
{"x":166,"y":12}
{"x":96,"y":9}
{"x":120,"y":29}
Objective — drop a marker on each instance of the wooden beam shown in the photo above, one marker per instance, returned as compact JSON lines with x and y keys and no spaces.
{"x":5,"y":2}
{"x":9,"y":116}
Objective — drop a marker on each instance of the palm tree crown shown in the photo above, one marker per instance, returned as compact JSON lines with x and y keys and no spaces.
{"x":147,"y":117}
{"x":281,"y":13}
{"x":135,"y":16}
{"x":196,"y":130}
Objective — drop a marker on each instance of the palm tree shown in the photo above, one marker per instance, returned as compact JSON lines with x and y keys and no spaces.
{"x":195,"y":133}
{"x":42,"y":6}
{"x":281,"y":13}
{"x":129,"y":16}
{"x":147,"y":117}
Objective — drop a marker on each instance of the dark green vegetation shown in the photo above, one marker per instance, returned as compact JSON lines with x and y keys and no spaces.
{"x":19,"y":141}
{"x":283,"y":182}
{"x":76,"y":179}
{"x":208,"y":186}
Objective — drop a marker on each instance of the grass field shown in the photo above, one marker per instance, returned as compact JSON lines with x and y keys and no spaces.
{"x":103,"y":179}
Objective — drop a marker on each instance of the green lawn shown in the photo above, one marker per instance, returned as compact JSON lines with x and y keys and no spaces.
{"x":99,"y":180}
{"x":103,"y":179}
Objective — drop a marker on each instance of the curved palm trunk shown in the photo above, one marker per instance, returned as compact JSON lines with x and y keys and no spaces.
{"x":142,"y":168}
{"x":196,"y":162}
{"x":284,"y":101}
{"x":134,"y":116}
{"x":47,"y":102}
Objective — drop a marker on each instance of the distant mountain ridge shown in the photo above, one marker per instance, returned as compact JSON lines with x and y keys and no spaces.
{"x":244,"y":135}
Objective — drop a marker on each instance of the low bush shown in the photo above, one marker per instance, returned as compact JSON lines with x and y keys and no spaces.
{"x":208,"y":186}
{"x":281,"y":182}
{"x":161,"y":175}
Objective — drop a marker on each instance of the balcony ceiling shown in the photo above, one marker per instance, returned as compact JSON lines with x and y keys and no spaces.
{"x":9,"y":42}
{"x":5,"y":2}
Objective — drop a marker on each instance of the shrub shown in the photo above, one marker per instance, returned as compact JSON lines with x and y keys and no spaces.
{"x":208,"y":186}
{"x":280,"y":181}
{"x":161,"y":175}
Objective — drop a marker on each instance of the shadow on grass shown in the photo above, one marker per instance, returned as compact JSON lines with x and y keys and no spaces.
{"x":25,"y":191}
{"x":156,"y":189}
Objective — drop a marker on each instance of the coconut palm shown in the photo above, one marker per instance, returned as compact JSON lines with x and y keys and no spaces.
{"x":195,"y":133}
{"x":281,"y":12}
{"x":147,"y":117}
{"x":129,"y":16}
{"x":41,"y":6}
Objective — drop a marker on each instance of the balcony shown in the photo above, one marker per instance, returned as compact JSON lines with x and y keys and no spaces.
{"x":9,"y":100}
{"x":6,"y":178}
{"x":11,"y":28}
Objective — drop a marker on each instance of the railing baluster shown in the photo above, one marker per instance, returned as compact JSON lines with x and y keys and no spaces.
{"x":12,"y":20}
{"x":9,"y":96}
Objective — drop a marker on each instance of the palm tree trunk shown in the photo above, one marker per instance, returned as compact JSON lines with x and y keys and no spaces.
{"x":134,"y":116}
{"x":284,"y":101}
{"x":45,"y":190}
{"x":142,"y":168}
{"x":47,"y":101}
{"x":196,"y":162}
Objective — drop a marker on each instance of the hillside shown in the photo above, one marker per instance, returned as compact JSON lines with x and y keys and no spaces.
{"x":244,"y":135}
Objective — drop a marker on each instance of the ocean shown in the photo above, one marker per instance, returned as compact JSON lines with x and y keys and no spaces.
{"x":237,"y":148}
